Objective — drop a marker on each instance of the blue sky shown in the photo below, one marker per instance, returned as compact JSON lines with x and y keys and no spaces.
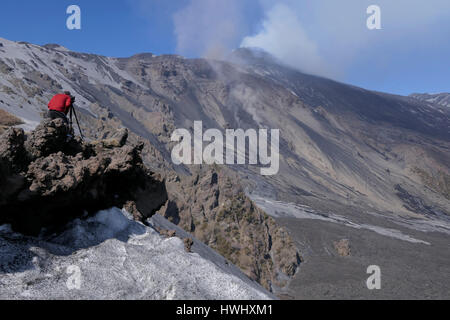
{"x":325,"y":37}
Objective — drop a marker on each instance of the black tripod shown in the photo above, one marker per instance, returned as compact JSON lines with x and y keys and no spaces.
{"x":73,"y":112}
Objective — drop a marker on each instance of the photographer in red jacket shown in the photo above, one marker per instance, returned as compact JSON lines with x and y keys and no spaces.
{"x":60,"y":106}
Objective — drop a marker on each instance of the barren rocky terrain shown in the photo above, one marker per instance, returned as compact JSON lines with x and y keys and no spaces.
{"x":354,"y":164}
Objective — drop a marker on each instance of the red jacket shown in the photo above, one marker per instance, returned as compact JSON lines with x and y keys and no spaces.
{"x":60,"y":102}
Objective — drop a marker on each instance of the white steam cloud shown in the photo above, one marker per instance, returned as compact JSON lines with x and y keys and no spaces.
{"x":327,"y":37}
{"x":283,"y":36}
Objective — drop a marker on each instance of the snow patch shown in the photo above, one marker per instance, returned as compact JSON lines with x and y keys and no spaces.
{"x":280,"y":209}
{"x":117,"y":258}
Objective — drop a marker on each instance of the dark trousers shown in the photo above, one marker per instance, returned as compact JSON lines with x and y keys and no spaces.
{"x":53,"y":114}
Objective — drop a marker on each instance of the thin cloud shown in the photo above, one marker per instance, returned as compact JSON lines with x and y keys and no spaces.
{"x":208,"y":28}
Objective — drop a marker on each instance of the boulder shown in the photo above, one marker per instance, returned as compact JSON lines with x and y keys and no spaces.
{"x":342,"y":247}
{"x":49,"y":137}
{"x":13,"y":156}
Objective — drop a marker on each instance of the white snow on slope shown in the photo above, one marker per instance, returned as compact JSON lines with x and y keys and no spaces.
{"x":117,"y":258}
{"x":279,"y":209}
{"x":204,"y":251}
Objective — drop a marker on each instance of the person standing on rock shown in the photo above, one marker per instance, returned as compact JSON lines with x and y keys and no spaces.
{"x":60,"y":105}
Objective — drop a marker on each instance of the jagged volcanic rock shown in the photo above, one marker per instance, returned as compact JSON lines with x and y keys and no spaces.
{"x":212,"y":206}
{"x":47,"y":181}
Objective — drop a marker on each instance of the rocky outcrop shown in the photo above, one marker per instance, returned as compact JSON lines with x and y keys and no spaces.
{"x":342,"y":247}
{"x":213,"y":207}
{"x":8,"y":120}
{"x":47,"y":181}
